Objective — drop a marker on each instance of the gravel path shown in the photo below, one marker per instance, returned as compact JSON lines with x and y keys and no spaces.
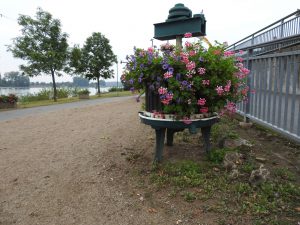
{"x":12,"y":114}
{"x":68,"y":166}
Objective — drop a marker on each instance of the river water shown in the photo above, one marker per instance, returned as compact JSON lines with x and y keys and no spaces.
{"x":33,"y":90}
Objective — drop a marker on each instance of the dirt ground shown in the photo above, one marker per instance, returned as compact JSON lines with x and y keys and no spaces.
{"x":75,"y":166}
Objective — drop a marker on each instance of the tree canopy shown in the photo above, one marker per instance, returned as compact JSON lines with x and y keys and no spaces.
{"x":94,"y":59}
{"x":14,"y":79}
{"x":42,"y":44}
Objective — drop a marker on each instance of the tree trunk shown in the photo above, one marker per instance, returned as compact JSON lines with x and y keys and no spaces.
{"x":98,"y":85}
{"x":54,"y":86}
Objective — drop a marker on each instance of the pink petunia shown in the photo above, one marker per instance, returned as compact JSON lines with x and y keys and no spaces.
{"x":162,"y":90}
{"x":205,"y":82}
{"x":201,"y":70}
{"x":219,"y":90}
{"x":190,"y":65}
{"x":150,"y":50}
{"x":188,"y":35}
{"x":204,"y":109}
{"x":188,"y":44}
{"x":192,"y":53}
{"x":201,"y":101}
{"x":168,"y":75}
{"x":228,"y":53}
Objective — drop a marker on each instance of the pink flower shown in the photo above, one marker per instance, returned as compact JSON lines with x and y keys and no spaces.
{"x":228,"y":53}
{"x":168,"y":75}
{"x":169,"y":96}
{"x":201,"y":70}
{"x":230,"y":107}
{"x":192,"y":53}
{"x":191,"y":65}
{"x":201,"y":101}
{"x":245,"y":71}
{"x":162,"y":90}
{"x":204,"y":109}
{"x":188,"y":44}
{"x":188,"y":35}
{"x":150,"y":49}
{"x":219,"y":90}
{"x":240,"y":59}
{"x":205,"y":82}
{"x":239,"y":65}
{"x":227,"y":86}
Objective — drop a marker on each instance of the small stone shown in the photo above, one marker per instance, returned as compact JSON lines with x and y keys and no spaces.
{"x":216,"y":169}
{"x":245,"y":125}
{"x":231,"y":158}
{"x":261,"y":159}
{"x":259,"y":176}
{"x":142,"y":198}
{"x":234,"y":174}
{"x":152,"y":210}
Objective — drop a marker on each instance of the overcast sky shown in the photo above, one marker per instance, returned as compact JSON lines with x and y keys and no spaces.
{"x":130,"y":23}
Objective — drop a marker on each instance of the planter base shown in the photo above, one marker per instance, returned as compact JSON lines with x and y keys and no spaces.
{"x":163,"y":126}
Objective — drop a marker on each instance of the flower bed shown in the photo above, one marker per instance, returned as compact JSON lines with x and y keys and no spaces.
{"x":8,"y":101}
{"x":187,"y":81}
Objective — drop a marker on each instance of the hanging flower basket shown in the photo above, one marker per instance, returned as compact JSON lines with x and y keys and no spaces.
{"x":188,"y":83}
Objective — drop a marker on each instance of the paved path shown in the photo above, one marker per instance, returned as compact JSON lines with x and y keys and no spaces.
{"x":12,"y":114}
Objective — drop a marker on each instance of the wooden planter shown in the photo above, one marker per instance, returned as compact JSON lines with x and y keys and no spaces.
{"x":8,"y":105}
{"x":84,"y":96}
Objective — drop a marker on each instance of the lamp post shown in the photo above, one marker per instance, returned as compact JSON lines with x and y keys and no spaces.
{"x":117,"y":78}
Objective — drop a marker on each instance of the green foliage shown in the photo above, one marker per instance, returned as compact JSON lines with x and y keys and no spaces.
{"x":189,"y":196}
{"x":42,"y":44}
{"x":285,"y":173}
{"x":83,"y":92}
{"x":274,"y":197}
{"x":46,"y":94}
{"x":217,"y":155}
{"x":115,"y":89}
{"x":94,"y":59}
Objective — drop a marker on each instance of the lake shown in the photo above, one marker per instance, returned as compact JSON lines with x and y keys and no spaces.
{"x":33,"y":90}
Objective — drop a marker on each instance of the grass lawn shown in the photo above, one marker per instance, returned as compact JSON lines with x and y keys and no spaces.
{"x":72,"y":99}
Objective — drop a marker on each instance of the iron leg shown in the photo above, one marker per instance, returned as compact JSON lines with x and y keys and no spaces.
{"x":206,"y":137}
{"x":170,"y":137}
{"x":160,"y":138}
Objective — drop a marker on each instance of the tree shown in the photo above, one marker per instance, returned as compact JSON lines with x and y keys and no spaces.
{"x":16,"y":79}
{"x":94,"y":59}
{"x":42,"y":44}
{"x":80,"y":82}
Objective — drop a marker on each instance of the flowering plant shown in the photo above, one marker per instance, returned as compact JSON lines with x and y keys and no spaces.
{"x":189,"y":80}
{"x":11,"y":98}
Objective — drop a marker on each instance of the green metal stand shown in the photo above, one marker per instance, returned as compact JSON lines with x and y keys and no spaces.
{"x":170,"y":127}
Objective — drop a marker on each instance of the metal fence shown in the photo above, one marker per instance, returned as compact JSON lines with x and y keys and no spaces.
{"x":285,"y":28}
{"x":276,"y":101}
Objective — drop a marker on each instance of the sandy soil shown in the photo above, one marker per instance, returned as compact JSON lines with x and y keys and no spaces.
{"x":69,"y":167}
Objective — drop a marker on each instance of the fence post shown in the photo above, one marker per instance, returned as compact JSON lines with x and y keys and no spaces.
{"x":247,"y":103}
